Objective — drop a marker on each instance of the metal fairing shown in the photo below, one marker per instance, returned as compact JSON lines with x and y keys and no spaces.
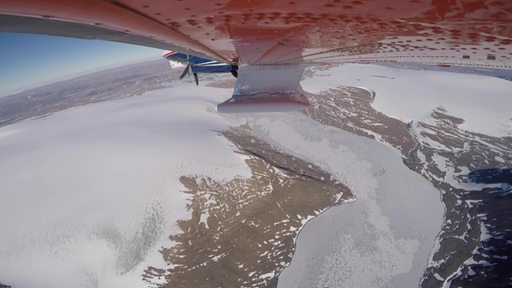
{"x":267,"y":88}
{"x":476,"y":33}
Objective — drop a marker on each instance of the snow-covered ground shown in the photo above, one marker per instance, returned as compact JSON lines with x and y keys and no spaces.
{"x":89,"y":195}
{"x":367,"y":254}
{"x":483,"y":102}
{"x":383,"y":239}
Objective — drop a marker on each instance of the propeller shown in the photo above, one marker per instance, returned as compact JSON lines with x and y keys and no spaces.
{"x":185,"y":72}
{"x":187,"y":69}
{"x":202,"y":65}
{"x":196,"y":78}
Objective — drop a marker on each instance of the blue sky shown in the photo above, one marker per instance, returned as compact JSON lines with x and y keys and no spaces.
{"x":28,"y":60}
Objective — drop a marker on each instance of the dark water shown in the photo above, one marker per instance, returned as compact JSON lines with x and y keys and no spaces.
{"x":493,"y":257}
{"x":492,"y":266}
{"x":491,"y":176}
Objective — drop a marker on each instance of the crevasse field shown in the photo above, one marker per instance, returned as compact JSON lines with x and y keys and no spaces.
{"x":89,"y":195}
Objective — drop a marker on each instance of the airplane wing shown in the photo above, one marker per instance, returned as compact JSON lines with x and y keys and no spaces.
{"x":273,"y":39}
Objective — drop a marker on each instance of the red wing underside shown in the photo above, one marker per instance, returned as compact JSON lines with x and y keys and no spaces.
{"x":474,"y":33}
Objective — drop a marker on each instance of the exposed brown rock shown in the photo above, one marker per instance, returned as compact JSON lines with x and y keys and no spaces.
{"x":242,"y":231}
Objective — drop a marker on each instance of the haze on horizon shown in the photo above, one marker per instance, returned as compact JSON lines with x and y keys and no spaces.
{"x":30,"y":60}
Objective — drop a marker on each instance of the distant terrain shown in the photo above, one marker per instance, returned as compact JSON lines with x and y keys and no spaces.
{"x":116,"y":83}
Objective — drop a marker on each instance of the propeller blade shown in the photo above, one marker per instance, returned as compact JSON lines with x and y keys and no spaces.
{"x":234,"y":70}
{"x":185,"y":72}
{"x":196,"y":78}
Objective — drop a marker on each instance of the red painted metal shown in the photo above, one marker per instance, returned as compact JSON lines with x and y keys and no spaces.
{"x":293,"y":31}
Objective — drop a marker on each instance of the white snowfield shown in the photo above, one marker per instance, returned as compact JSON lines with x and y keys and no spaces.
{"x":484,"y":102}
{"x":89,"y":195}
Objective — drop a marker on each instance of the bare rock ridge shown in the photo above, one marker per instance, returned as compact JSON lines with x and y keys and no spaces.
{"x":242,"y":231}
{"x":473,"y":250}
{"x":349,"y":108}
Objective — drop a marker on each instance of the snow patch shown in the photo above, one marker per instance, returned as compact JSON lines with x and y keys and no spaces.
{"x":414,"y":94}
{"x":90,"y":194}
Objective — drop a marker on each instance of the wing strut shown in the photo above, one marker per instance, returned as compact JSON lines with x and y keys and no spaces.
{"x":267,"y":88}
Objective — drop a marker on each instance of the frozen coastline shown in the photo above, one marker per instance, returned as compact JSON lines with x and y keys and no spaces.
{"x":383,"y":239}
